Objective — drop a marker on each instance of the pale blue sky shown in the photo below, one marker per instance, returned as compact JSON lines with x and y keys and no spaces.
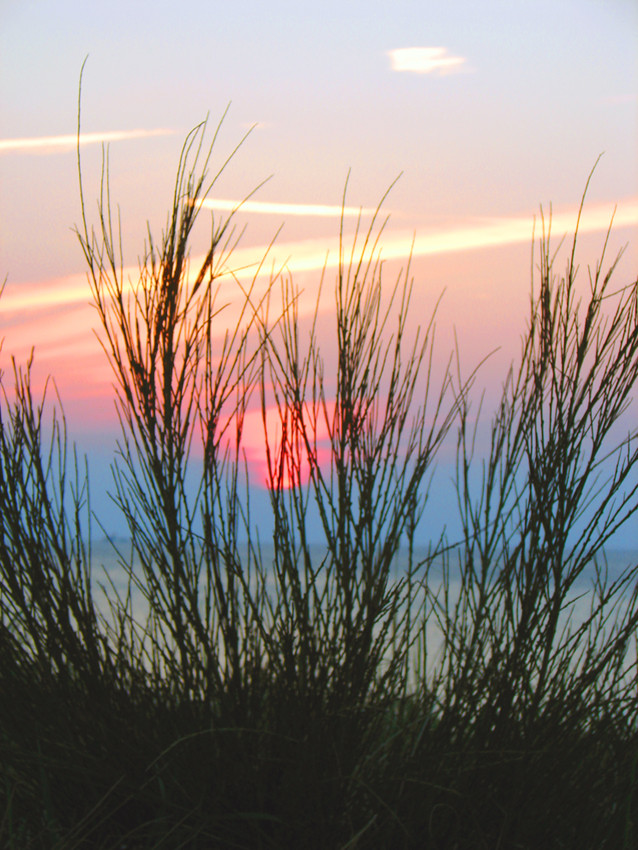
{"x":544,"y":88}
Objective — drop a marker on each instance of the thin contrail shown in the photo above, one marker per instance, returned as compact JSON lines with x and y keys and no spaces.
{"x":70,"y":141}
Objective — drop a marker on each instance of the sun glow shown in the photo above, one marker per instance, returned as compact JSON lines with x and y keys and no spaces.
{"x":281,"y":451}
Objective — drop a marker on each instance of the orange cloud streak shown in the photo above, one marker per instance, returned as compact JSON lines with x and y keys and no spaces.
{"x":57,"y":317}
{"x":314,"y":254}
{"x":266,"y":208}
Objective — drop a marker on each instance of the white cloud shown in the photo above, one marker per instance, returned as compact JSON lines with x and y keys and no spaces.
{"x":425,"y":60}
{"x":37,"y":143}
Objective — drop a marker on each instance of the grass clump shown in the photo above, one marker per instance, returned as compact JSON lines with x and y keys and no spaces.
{"x":286,"y":695}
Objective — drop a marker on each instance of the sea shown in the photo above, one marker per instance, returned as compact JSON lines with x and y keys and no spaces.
{"x":109,"y":575}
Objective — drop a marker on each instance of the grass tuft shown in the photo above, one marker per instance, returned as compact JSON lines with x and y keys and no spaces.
{"x":242,"y":695}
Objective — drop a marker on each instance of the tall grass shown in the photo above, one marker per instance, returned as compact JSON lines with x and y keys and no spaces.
{"x":285,"y":695}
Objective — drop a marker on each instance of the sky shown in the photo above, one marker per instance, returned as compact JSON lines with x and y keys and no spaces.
{"x":486,"y":111}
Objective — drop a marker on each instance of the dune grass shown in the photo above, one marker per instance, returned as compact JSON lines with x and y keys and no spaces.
{"x":291,"y":699}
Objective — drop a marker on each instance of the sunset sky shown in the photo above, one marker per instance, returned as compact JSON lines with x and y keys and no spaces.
{"x":487,"y":110}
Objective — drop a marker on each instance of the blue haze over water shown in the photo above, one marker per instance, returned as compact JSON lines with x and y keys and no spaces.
{"x":617,"y":562}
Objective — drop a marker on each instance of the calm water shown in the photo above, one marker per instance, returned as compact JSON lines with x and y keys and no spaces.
{"x":105,"y":560}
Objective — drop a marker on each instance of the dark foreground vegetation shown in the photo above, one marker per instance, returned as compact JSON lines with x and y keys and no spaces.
{"x":290,"y":701}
